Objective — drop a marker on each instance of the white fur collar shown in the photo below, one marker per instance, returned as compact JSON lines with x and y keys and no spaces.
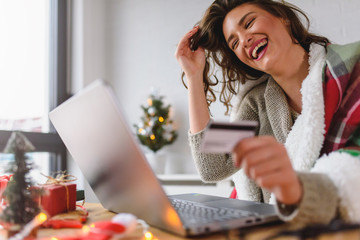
{"x":306,"y":137}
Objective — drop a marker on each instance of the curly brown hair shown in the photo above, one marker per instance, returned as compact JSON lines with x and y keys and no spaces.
{"x":210,"y":37}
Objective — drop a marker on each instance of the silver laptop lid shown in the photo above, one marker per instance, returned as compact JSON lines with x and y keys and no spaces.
{"x":95,"y":132}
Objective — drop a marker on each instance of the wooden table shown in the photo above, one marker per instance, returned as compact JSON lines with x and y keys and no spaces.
{"x":98,"y":213}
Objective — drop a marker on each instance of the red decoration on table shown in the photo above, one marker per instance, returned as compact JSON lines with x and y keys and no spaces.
{"x":105,"y":230}
{"x":101,"y":230}
{"x":57,"y":224}
{"x":85,"y":213}
{"x":56,"y":237}
{"x":74,"y":219}
{"x":3,"y":183}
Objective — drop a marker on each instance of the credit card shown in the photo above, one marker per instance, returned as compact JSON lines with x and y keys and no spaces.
{"x":221,"y":137}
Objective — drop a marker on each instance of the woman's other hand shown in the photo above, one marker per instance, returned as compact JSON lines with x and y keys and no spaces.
{"x":192,"y":62}
{"x":266,"y":162}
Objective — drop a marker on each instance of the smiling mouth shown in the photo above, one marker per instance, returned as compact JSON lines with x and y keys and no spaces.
{"x":258,"y":49}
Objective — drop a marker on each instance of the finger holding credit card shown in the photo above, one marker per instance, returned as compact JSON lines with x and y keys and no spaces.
{"x":221,"y":137}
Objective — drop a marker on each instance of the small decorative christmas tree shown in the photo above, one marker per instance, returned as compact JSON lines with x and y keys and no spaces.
{"x":156,"y":130}
{"x":20,"y":208}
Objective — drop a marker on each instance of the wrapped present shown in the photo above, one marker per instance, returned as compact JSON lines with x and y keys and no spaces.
{"x":58,"y":194}
{"x":58,"y":198}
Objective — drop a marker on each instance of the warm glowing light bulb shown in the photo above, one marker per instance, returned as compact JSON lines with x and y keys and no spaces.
{"x":161,"y":119}
{"x":149,"y":101}
{"x":86,"y":229}
{"x":152,"y":137}
{"x":41,"y":217}
{"x":92,"y":225}
{"x":54,"y":238}
{"x":148,"y":236}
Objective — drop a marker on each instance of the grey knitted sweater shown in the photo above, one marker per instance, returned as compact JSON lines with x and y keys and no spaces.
{"x":266,"y":103}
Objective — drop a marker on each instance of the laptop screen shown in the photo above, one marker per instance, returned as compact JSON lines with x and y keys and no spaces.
{"x":95,"y":132}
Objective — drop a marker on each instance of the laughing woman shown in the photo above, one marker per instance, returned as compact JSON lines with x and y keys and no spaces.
{"x":303,"y":91}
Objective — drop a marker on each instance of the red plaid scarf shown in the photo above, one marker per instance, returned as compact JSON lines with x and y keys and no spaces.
{"x":342,"y":97}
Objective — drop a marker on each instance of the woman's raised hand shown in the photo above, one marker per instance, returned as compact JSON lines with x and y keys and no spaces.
{"x":266,"y":161}
{"x":192,"y":62}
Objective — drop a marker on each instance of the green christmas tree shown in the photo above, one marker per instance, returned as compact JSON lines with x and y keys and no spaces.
{"x":20,"y":208}
{"x":155,"y":130}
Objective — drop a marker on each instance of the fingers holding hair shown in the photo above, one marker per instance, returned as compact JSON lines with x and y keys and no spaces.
{"x":185,"y":42}
{"x":192,"y":62}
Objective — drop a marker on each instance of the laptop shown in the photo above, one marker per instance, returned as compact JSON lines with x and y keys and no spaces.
{"x":94,"y":130}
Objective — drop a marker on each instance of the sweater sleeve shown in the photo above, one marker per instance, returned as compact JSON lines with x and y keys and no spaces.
{"x":318,"y":204}
{"x":216,"y":167}
{"x":211,"y":167}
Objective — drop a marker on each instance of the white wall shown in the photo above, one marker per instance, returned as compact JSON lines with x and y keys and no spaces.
{"x":142,"y":37}
{"x":131,"y":43}
{"x":336,"y":19}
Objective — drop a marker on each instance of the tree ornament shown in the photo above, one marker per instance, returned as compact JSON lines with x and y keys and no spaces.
{"x":151,"y":111}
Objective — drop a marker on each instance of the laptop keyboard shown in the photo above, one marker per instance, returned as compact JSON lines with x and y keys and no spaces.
{"x":194,"y":212}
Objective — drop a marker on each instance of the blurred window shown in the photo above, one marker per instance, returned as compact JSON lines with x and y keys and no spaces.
{"x":33,"y":76}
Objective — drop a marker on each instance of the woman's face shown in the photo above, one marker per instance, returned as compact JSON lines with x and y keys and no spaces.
{"x":259,"y":39}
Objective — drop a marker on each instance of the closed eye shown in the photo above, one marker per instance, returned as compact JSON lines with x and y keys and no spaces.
{"x":234,"y":44}
{"x":247,"y":25}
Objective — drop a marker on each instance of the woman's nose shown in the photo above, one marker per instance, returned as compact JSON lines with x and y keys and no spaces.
{"x":246,"y":40}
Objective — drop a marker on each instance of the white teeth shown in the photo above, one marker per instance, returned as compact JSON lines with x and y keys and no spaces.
{"x":254,"y":52}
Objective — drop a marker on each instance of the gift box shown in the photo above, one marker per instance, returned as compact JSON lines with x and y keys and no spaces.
{"x":58,"y":198}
